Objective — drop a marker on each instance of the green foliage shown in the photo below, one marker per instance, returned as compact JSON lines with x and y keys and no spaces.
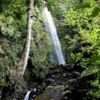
{"x":83,"y":5}
{"x":9,"y":58}
{"x":41,"y":45}
{"x":95,"y":11}
{"x":85,"y":50}
{"x":13,"y":19}
{"x":78,"y":23}
{"x":95,"y":91}
{"x":57,"y":8}
{"x":12,"y":33}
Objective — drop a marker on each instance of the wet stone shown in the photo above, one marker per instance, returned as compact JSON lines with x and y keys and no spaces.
{"x":51,"y":93}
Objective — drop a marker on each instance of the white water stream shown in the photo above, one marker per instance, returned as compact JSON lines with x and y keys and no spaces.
{"x":49,"y":23}
{"x":27,"y":95}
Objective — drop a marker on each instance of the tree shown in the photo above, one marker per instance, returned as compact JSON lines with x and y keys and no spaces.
{"x":19,"y":72}
{"x":25,"y":55}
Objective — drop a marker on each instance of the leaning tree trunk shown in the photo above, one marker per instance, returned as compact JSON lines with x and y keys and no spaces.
{"x":25,"y":55}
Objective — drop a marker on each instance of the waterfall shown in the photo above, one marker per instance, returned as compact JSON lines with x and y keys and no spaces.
{"x":27,"y":95}
{"x":48,"y":21}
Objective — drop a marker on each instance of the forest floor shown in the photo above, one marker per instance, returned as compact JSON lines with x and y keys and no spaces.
{"x":60,"y":83}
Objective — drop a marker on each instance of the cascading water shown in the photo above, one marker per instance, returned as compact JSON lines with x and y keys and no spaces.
{"x":48,"y":21}
{"x":27,"y":95}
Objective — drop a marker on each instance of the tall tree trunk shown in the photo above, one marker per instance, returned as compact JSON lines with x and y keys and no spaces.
{"x":23,"y":63}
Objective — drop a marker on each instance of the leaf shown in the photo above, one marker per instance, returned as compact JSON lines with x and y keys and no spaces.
{"x":89,"y":71}
{"x":95,"y":11}
{"x":94,"y":58}
{"x":83,"y":5}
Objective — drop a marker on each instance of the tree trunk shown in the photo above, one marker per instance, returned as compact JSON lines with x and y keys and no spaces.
{"x":23,"y":63}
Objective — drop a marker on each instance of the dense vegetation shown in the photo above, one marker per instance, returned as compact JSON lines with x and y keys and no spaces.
{"x":78,"y":25}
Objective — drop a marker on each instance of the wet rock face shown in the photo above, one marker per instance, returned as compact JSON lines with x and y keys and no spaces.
{"x":51,"y":93}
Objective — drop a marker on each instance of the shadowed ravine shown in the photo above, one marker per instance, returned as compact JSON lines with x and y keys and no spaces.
{"x":60,"y":83}
{"x":48,"y":21}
